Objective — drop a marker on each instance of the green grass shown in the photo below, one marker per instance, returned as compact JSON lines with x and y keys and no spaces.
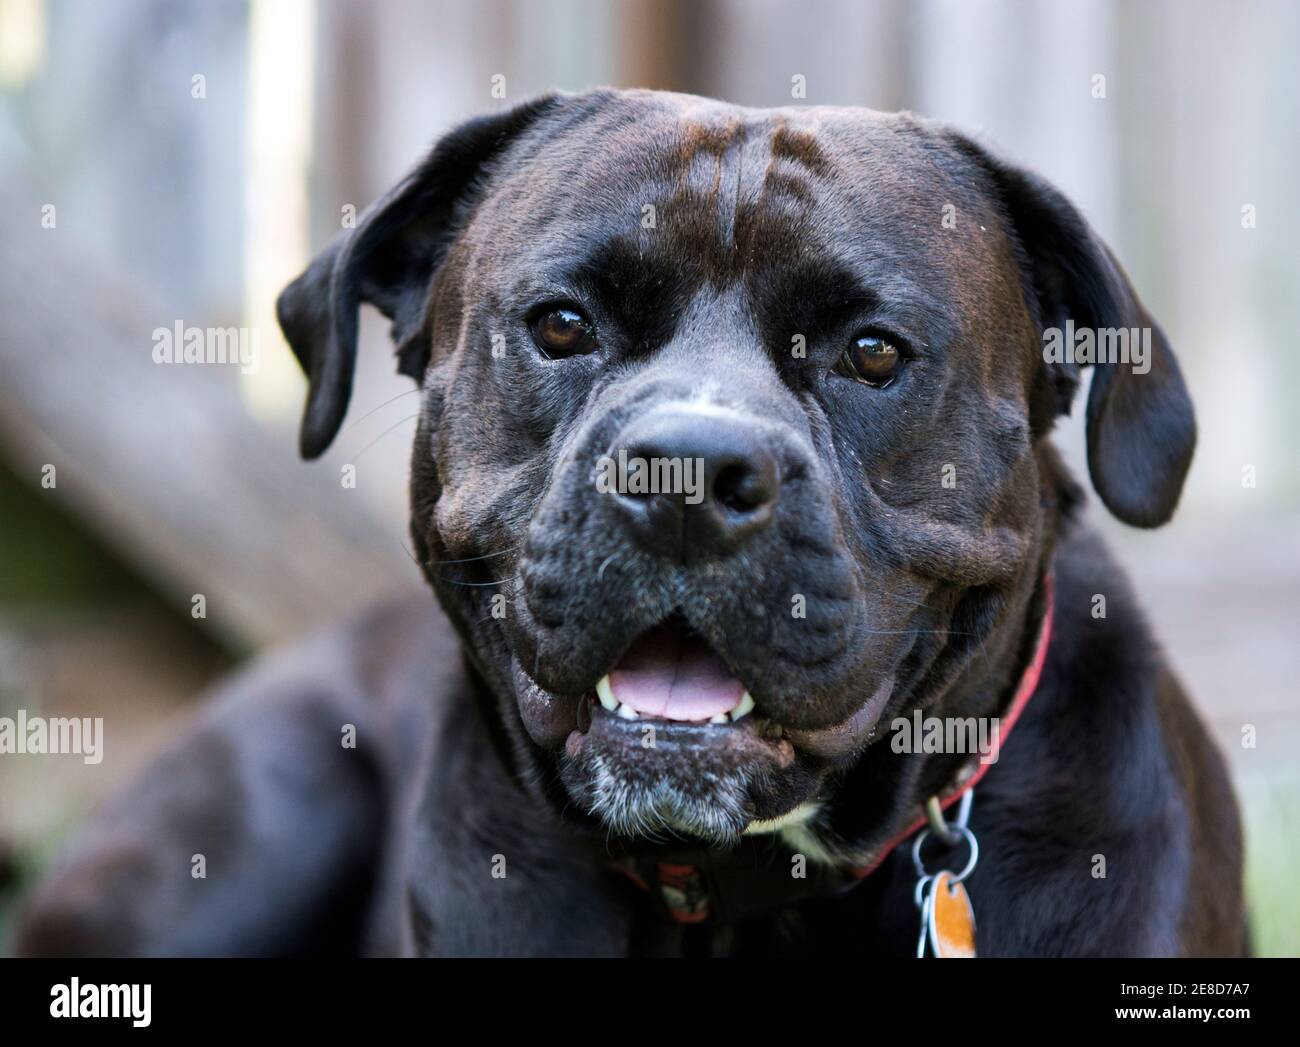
{"x":1273,"y":863}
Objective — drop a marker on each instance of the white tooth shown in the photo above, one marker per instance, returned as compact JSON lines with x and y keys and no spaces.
{"x":606,"y":693}
{"x":720,"y":718}
{"x":626,"y":711}
{"x":743,"y":707}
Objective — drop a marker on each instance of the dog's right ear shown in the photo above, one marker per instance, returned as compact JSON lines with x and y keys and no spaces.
{"x":389,"y":260}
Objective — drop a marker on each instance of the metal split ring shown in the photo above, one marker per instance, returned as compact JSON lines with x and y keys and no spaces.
{"x":962,"y":834}
{"x":949,"y":833}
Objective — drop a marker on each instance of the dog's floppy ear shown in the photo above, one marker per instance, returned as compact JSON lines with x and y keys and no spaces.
{"x":388,"y":260}
{"x":1141,"y":430}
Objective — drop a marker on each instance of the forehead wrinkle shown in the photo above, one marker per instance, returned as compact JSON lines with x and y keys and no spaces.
{"x":795,"y":160}
{"x":782,"y":196}
{"x":798,"y":147}
{"x":740,"y":178}
{"x":709,"y":169}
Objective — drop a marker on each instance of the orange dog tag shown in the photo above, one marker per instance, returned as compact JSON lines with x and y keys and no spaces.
{"x":952,"y":919}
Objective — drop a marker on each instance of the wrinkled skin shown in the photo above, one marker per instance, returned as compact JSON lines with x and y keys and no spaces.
{"x":767,"y":226}
{"x":894,"y":558}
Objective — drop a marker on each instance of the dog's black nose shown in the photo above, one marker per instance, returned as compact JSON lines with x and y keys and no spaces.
{"x":691,"y":483}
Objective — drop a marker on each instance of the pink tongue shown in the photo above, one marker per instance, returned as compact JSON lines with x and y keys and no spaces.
{"x":675,"y":677}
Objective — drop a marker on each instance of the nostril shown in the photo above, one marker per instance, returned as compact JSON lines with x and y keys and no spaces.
{"x":743,"y":487}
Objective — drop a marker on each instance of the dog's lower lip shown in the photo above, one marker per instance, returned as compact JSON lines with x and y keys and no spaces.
{"x":548,"y":718}
{"x":843,"y":738}
{"x":755,"y":736}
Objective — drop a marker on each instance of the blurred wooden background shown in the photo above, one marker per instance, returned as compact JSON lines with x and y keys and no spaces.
{"x":176,"y":207}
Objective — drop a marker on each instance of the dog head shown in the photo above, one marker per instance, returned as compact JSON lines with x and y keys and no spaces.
{"x":733,"y":435}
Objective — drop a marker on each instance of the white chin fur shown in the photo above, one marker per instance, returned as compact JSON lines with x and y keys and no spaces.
{"x":799,"y":816}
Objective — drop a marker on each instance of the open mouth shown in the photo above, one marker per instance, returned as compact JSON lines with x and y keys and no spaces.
{"x":671,"y":742}
{"x":670,"y":739}
{"x":671,"y":673}
{"x":671,"y":679}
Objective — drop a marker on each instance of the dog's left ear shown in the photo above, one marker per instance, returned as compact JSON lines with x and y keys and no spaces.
{"x":1141,"y":430}
{"x":389,"y":260}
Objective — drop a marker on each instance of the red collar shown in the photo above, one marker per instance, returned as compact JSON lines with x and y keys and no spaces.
{"x":688,"y":891}
{"x":1024,"y":691}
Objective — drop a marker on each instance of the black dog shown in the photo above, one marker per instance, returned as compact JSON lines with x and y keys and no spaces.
{"x":673,"y":726}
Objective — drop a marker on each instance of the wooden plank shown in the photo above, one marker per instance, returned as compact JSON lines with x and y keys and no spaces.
{"x":165,"y":461}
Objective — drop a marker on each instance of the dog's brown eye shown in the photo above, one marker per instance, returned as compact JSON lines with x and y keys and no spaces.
{"x":562,"y":332}
{"x":870,"y":359}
